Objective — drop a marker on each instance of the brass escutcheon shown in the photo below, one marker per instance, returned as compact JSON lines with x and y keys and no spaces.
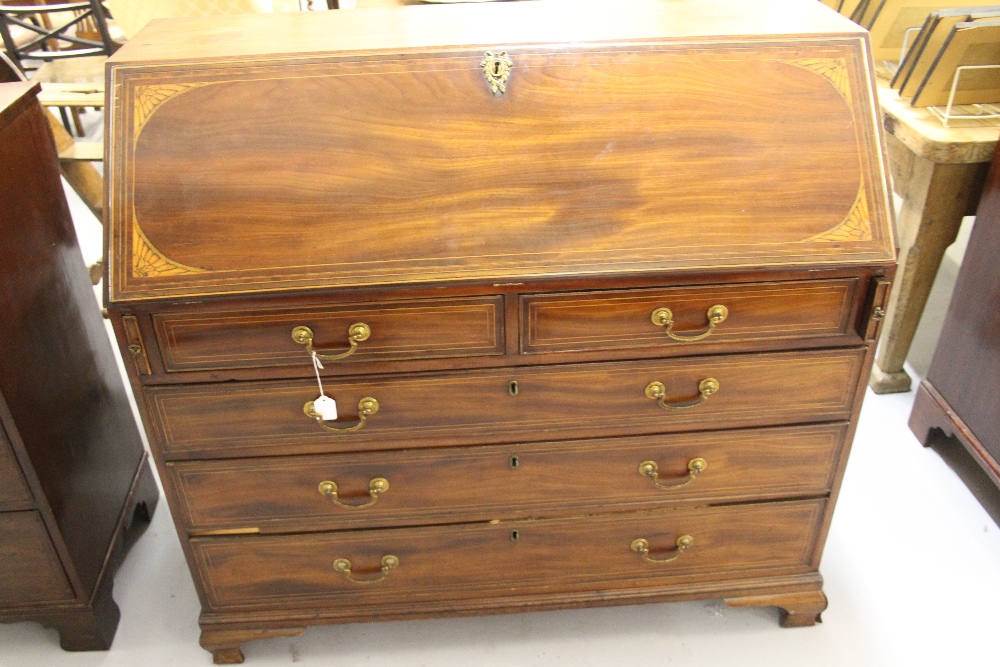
{"x":366,"y":406}
{"x":641,"y":547}
{"x":496,"y":69}
{"x":343,"y":566}
{"x":657,"y":392}
{"x":375,"y":487}
{"x":664,"y":317}
{"x":695,"y":467}
{"x":356,"y":333}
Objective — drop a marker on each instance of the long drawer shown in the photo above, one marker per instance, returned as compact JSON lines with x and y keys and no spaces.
{"x":417,"y":329}
{"x":516,"y":404}
{"x":507,"y":559}
{"x":328,"y":492}
{"x":686,"y":318}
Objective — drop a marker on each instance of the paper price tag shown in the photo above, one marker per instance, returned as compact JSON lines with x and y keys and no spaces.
{"x":326,"y":408}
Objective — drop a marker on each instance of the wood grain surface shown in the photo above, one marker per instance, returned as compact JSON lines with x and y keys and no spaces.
{"x":510,"y":481}
{"x":405,"y":168}
{"x":475,"y":407}
{"x":622,"y":319}
{"x":485,"y":561}
{"x":439,"y":27}
{"x":421,"y":329}
{"x":653,"y":154}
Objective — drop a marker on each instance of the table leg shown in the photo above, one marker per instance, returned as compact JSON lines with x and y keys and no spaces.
{"x":935,"y":198}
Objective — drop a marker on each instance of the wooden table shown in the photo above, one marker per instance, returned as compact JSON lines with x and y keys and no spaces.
{"x":939,"y":172}
{"x":959,"y":396}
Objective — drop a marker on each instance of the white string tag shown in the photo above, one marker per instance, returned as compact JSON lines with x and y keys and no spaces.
{"x":324,"y":406}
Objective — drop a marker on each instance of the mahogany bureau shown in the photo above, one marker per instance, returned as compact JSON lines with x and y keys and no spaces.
{"x":73,"y":471}
{"x":595,"y":292}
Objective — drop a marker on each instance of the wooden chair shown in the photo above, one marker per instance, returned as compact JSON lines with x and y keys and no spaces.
{"x":57,"y":30}
{"x":71,"y":41}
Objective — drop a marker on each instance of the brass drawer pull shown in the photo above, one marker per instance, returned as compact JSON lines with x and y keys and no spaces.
{"x":663,"y":317}
{"x":366,"y":406}
{"x":375,"y":487}
{"x":641,"y":547}
{"x":657,"y":392}
{"x":695,"y":467}
{"x":343,"y":566}
{"x":356,"y":333}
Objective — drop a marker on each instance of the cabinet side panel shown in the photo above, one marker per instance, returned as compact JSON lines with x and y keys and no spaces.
{"x":57,"y":371}
{"x":969,"y":353}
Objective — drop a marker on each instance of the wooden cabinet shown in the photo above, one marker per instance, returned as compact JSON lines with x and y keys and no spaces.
{"x":959,"y":396}
{"x":73,"y":470}
{"x":597,"y":332}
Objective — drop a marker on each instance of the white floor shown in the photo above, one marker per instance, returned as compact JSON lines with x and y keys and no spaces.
{"x":912,"y":569}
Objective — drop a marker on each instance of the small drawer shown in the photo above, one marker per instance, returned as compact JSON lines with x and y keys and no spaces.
{"x":30,"y":572}
{"x":535,"y":404}
{"x":329,"y":492}
{"x":12,"y":486}
{"x":389,"y":331}
{"x":349,"y":571}
{"x":682,"y":318}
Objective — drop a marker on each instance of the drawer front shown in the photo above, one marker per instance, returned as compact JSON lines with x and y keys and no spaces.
{"x":507,"y":559}
{"x":505,"y":481}
{"x":396,"y":330}
{"x":611,"y":320}
{"x":477,"y":407}
{"x":30,"y":572}
{"x":12,"y":486}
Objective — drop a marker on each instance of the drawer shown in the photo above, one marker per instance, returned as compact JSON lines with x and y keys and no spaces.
{"x":29,"y":569}
{"x":679,"y":318}
{"x":481,"y":407}
{"x":12,"y":486}
{"x":422,"y":329}
{"x":507,"y":559}
{"x":503,"y":481}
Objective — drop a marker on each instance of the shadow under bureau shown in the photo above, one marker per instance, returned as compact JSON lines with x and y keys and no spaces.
{"x":594,"y":295}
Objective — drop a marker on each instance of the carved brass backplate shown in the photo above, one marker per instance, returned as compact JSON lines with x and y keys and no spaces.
{"x":343,"y":566}
{"x":375,"y":487}
{"x":641,"y":547}
{"x":658,"y":392}
{"x":663,"y":317}
{"x":367,"y":406}
{"x":496,"y":68}
{"x":695,"y":467}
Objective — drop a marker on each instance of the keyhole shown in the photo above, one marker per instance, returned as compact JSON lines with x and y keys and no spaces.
{"x":496,"y":68}
{"x":514,"y":536}
{"x":514,"y":462}
{"x":512,"y":388}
